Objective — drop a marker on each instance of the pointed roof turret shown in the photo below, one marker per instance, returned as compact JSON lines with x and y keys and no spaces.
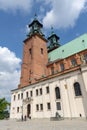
{"x":35,"y":21}
{"x":53,"y":41}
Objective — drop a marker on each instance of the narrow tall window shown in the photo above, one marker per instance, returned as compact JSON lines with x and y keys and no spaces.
{"x":41,"y":50}
{"x":41,"y":107}
{"x":30,"y":51}
{"x":52,"y":70}
{"x":77,"y":89}
{"x":31,"y":93}
{"x":47,"y":89}
{"x":58,"y":106}
{"x":21,"y":95}
{"x":73,"y":61}
{"x":37,"y":107}
{"x":17,"y":109}
{"x":36,"y":92}
{"x":57,"y":92}
{"x":26,"y":94}
{"x":14,"y":97}
{"x":18,"y":96}
{"x":48,"y":106}
{"x":62,"y":67}
{"x":40,"y":91}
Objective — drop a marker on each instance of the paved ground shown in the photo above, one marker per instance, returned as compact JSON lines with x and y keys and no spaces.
{"x":43,"y":124}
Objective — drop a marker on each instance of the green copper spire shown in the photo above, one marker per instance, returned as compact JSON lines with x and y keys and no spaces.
{"x":53,"y":41}
{"x":52,"y":30}
{"x":35,"y":27}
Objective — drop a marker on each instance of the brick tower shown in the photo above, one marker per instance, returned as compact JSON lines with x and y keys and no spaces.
{"x":35,"y":56}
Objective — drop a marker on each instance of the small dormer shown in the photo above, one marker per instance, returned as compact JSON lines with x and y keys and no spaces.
{"x":53,"y":41}
{"x":35,"y":27}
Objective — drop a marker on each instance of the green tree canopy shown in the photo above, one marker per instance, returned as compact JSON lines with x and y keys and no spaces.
{"x":3,"y":108}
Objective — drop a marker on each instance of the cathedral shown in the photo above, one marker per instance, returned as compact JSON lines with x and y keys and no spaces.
{"x":53,"y":77}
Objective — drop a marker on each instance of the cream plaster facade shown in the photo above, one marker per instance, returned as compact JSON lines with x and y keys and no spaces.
{"x":71,"y":106}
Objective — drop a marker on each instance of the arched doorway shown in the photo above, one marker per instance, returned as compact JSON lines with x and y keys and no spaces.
{"x":28,"y":110}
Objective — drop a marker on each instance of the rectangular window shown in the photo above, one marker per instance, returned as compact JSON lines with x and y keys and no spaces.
{"x":17,"y":109}
{"x":58,"y":106}
{"x":14,"y":97}
{"x":30,"y":51}
{"x":41,"y":50}
{"x":31,"y":93}
{"x":36,"y":92}
{"x":47,"y":89}
{"x":26,"y":94}
{"x":18,"y":96}
{"x":37,"y":107}
{"x":62,"y":67}
{"x":41,"y":107}
{"x":73,"y":62}
{"x":48,"y":106}
{"x":21,"y":95}
{"x":52,"y":70}
{"x":40,"y":91}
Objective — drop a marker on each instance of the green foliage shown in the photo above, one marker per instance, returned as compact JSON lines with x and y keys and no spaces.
{"x":3,"y":108}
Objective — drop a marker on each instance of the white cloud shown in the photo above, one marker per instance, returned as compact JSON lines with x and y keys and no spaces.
{"x":22,"y":5}
{"x":63,"y":13}
{"x":9,"y":72}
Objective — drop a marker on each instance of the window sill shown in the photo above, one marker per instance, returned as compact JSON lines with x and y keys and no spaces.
{"x":57,"y":100}
{"x":48,"y":109}
{"x":79,"y":96}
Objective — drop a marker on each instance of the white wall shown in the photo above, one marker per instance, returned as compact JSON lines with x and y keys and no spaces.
{"x":71,"y":106}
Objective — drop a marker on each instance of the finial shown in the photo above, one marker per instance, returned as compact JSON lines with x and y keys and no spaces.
{"x":35,"y":16}
{"x":52,"y":30}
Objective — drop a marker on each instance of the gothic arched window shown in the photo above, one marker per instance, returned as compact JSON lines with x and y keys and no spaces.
{"x":77,"y":89}
{"x":57,"y":92}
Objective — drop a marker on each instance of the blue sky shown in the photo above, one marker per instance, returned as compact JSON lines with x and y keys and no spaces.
{"x":68,"y":18}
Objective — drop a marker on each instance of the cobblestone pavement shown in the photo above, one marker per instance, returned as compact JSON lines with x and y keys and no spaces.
{"x":43,"y":124}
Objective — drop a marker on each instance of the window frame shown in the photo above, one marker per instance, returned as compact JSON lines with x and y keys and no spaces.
{"x":37,"y":107}
{"x":77,"y":89}
{"x":18,"y":109}
{"x":62,"y":67}
{"x":73,"y":62}
{"x":52,"y":70}
{"x":14,"y":97}
{"x":47,"y":90}
{"x":48,"y":106}
{"x":31,"y":93}
{"x":42,"y":52}
{"x":41,"y":107}
{"x":37,"y":92}
{"x":27,"y":94}
{"x":57,"y":93}
{"x":58,"y":106}
{"x":30,"y":51}
{"x":21,"y":95}
{"x":18,"y":96}
{"x":41,"y":92}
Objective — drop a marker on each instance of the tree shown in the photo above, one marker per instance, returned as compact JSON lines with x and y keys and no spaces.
{"x":3,"y":108}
